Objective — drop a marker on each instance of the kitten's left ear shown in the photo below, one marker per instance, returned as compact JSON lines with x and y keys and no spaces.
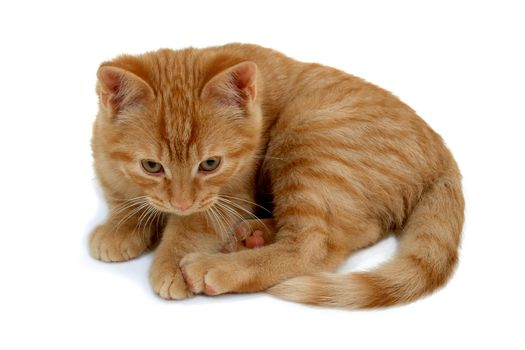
{"x":234,"y":86}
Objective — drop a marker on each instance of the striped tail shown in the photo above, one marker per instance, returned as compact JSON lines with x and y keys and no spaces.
{"x":427,"y":256}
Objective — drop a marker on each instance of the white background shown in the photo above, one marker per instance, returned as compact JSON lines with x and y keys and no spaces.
{"x":459,"y":64}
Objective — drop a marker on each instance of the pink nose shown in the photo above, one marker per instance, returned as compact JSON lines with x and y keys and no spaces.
{"x":182,"y":206}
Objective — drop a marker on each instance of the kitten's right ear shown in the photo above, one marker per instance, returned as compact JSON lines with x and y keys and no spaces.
{"x":120,"y":89}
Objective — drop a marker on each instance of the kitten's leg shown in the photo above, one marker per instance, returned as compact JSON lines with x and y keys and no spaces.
{"x":130,"y":229}
{"x":254,"y":269}
{"x":297,"y":251}
{"x":180,"y":237}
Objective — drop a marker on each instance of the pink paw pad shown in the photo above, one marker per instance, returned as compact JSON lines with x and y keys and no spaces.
{"x":255,"y":240}
{"x":241,"y":232}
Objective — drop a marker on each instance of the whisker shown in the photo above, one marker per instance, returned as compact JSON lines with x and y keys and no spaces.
{"x":144,"y":231}
{"x":231,"y":210}
{"x":227,"y":201}
{"x":125,"y":206}
{"x":148,"y":216}
{"x":269,"y":157}
{"x":236,"y":215}
{"x":151,"y":216}
{"x":225,"y":223}
{"x":130,"y":215}
{"x":144,"y":219}
{"x":126,"y":201}
{"x":245,"y":200}
{"x":159,"y":219}
{"x":137,"y":228}
{"x":245,"y":211}
{"x":224,"y":219}
{"x":129,"y":201}
{"x":226,"y":213}
{"x":209,"y":213}
{"x":220,"y":229}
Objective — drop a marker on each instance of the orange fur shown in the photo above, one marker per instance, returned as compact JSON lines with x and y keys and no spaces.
{"x":340,"y":161}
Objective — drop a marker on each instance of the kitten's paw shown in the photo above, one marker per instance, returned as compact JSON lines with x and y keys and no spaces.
{"x":256,"y":233}
{"x":109,"y":245}
{"x":211,"y":274}
{"x":167,"y":281}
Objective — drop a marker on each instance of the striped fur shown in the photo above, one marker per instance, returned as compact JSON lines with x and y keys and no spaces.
{"x":344,"y":162}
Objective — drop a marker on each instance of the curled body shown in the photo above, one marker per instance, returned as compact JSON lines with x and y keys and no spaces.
{"x":189,"y":144}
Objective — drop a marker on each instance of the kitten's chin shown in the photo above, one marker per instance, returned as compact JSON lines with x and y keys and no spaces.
{"x":182,"y":213}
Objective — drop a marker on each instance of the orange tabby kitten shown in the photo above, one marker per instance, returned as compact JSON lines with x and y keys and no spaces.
{"x":187,"y":142}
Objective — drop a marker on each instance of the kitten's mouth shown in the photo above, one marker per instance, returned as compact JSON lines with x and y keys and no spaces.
{"x":182,"y":212}
{"x":175,"y":211}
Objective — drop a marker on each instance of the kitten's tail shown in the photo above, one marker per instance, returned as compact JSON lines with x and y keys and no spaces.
{"x":427,"y":255}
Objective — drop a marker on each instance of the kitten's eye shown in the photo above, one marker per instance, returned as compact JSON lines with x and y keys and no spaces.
{"x":210,"y":164}
{"x":151,"y":167}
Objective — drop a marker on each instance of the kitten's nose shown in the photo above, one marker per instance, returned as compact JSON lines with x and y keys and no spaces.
{"x":181,"y":205}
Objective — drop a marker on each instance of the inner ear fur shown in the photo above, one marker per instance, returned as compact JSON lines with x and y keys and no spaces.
{"x":234,"y":86}
{"x":120,"y":88}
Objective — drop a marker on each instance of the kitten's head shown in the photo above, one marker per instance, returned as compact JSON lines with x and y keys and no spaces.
{"x":176,"y":128}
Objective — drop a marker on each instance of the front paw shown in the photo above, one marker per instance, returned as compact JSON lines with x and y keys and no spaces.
{"x":212,"y":274}
{"x":109,"y":245}
{"x":167,"y":281}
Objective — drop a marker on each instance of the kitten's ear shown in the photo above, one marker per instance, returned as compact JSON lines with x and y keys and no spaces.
{"x":120,"y":89}
{"x":234,"y":86}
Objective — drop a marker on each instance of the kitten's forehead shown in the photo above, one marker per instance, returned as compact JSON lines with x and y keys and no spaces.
{"x":179,"y":132}
{"x":182,"y":122}
{"x":186,"y":131}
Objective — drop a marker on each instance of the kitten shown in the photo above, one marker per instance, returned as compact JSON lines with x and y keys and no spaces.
{"x":188,"y":144}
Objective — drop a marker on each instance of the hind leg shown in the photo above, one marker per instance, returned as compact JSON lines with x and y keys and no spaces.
{"x":318,"y":210}
{"x":255,"y":269}
{"x":296,"y":252}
